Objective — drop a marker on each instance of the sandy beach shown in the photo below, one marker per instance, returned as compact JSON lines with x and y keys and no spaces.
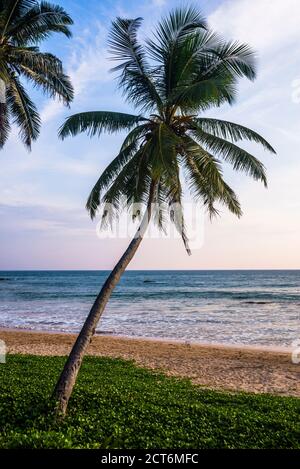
{"x":215,"y":367}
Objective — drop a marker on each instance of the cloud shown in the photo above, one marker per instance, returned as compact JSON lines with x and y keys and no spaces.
{"x":46,"y":220}
{"x":89,"y":61}
{"x":51,"y":110}
{"x":159,"y":3}
{"x":272,"y":28}
{"x":266,"y":24}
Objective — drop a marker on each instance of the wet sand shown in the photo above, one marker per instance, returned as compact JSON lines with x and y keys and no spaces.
{"x":213,"y":366}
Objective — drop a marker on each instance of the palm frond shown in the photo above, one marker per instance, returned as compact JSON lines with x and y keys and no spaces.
{"x":230,"y":130}
{"x":23,"y":24}
{"x":38,"y":23}
{"x":235,"y":58}
{"x":239,"y":158}
{"x":123,"y":44}
{"x":113,"y":169}
{"x":125,"y":185}
{"x":203,"y":93}
{"x":24,"y":112}
{"x":30,"y":58}
{"x":161,"y":206}
{"x":12,"y":10}
{"x":53,"y":85}
{"x":135,"y":77}
{"x":206,"y":180}
{"x":135,"y":135}
{"x":176,"y":211}
{"x":108,"y":175}
{"x":209,"y":77}
{"x":164,"y":144}
{"x":165,"y":47}
{"x":44,"y":70}
{"x":190,"y":52}
{"x":172,"y":29}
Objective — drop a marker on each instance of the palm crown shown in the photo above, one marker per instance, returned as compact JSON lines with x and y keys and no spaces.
{"x":23,"y":24}
{"x":171,"y":79}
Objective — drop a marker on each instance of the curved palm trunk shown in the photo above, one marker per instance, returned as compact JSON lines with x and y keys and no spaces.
{"x":67,"y":379}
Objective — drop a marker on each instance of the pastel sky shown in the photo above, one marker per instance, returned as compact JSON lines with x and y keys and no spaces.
{"x":44,"y":224}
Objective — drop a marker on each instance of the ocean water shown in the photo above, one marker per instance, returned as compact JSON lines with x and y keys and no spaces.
{"x":230,"y":307}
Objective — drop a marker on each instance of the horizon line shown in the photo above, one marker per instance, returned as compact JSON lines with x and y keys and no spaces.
{"x":153,"y":270}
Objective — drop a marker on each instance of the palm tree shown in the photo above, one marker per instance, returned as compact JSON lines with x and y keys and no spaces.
{"x":183,"y":71}
{"x":23,"y":25}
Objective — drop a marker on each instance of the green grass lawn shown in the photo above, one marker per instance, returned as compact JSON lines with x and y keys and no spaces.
{"x":117,"y":405}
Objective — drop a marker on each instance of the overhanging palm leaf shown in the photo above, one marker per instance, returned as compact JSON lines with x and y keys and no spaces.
{"x":23,"y":24}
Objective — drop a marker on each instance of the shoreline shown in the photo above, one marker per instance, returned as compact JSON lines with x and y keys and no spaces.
{"x":219,"y":367}
{"x":169,"y":340}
